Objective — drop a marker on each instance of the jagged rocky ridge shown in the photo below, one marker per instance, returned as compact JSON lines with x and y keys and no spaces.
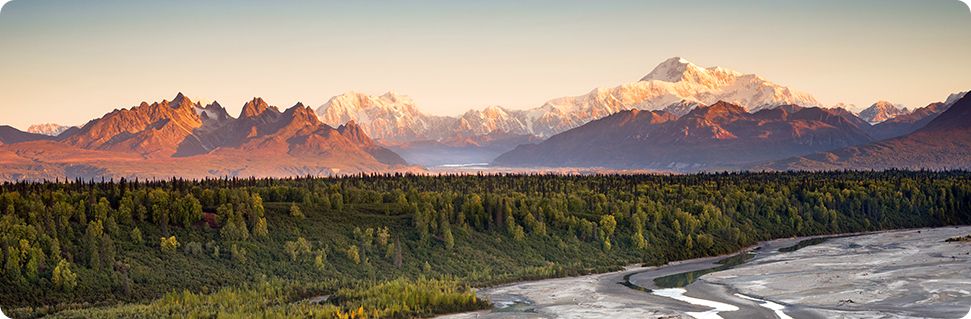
{"x":184,"y":138}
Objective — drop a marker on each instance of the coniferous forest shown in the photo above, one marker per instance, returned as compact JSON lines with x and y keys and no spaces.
{"x":402,"y":246}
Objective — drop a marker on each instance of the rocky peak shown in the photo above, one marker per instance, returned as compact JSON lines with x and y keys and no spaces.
{"x":255,"y":107}
{"x":300,"y":113}
{"x":181,"y":100}
{"x":720,"y":109}
{"x":355,"y":133}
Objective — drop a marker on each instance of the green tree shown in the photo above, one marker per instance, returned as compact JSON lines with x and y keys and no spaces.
{"x":168,"y":245}
{"x":234,"y":227}
{"x":384,"y":234}
{"x":191,"y":210}
{"x":353,"y":253}
{"x":260,"y":230}
{"x":297,"y":248}
{"x":517,"y":232}
{"x":238,"y":253}
{"x":447,"y":237}
{"x":295,"y":211}
{"x":12,"y":265}
{"x":320,"y":259}
{"x":63,"y":278}
{"x":136,"y":235}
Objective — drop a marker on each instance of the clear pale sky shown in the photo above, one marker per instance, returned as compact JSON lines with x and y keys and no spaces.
{"x":67,"y":61}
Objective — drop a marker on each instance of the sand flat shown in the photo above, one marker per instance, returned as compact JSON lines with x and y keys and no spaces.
{"x":909,"y":273}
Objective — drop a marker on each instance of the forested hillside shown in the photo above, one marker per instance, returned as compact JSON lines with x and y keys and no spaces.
{"x":403,"y":246}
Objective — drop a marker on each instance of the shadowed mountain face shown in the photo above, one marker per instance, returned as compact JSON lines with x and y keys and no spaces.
{"x":183,"y":138}
{"x":908,"y":123}
{"x":944,"y":143}
{"x":722,"y":135}
{"x":10,"y":135}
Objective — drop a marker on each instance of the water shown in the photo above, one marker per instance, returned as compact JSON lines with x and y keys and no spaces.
{"x":804,"y":244}
{"x":465,"y":165}
{"x":684,"y":279}
{"x":776,"y":308}
{"x":678,"y":294}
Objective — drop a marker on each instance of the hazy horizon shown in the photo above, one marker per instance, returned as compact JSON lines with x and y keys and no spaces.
{"x":79,"y":60}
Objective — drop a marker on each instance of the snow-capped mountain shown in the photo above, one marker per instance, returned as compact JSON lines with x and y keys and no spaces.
{"x":675,"y":80}
{"x":49,"y":129}
{"x":389,"y":117}
{"x":675,"y":84}
{"x":882,"y":111}
{"x":492,"y":119}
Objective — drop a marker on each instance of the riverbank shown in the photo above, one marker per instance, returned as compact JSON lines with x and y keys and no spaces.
{"x":809,"y":282}
{"x":606,"y":296}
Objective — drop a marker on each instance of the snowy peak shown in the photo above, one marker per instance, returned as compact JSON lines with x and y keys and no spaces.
{"x":882,"y":111}
{"x":672,"y":70}
{"x":676,"y":80}
{"x":49,"y":129}
{"x":675,"y":84}
{"x":492,"y":119}
{"x":677,"y":69}
{"x":389,"y":116}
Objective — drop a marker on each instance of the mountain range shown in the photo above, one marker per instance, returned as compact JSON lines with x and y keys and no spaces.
{"x":943,"y":143}
{"x":184,"y":138}
{"x":676,"y":85}
{"x":727,"y":136}
{"x":678,"y":117}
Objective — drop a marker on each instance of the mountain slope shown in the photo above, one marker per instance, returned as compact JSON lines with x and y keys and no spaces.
{"x":944,"y":143}
{"x":722,"y":135}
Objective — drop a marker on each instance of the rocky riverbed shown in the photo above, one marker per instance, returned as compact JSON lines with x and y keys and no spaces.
{"x":898,"y":274}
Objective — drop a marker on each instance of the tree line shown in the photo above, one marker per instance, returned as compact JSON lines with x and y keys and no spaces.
{"x":70,"y":245}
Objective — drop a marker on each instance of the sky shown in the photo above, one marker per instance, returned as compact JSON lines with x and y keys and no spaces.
{"x":68,"y":61}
